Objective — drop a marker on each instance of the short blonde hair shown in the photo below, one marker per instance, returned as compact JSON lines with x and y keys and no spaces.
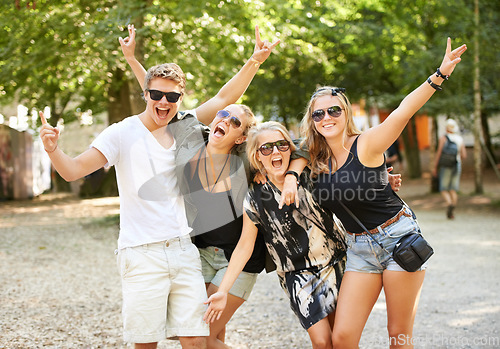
{"x":169,"y":71}
{"x":451,"y":126}
{"x":319,"y":150}
{"x":253,"y":141}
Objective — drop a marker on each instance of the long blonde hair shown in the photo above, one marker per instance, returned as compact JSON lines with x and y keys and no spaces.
{"x":251,"y":120}
{"x":253,"y":141}
{"x":319,"y":150}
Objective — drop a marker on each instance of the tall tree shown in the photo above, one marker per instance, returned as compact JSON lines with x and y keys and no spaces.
{"x":477,"y":105}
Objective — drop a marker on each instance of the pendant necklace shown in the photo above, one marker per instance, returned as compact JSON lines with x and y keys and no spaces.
{"x":213,"y":170}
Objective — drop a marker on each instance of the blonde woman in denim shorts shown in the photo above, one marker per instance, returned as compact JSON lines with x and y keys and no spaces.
{"x":350,"y":167}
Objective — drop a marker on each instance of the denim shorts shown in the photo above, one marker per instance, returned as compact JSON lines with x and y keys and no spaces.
{"x":449,"y":178}
{"x":366,"y":256}
{"x":214,"y":265}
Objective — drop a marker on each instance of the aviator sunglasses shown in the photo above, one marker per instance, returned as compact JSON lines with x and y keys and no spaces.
{"x":334,"y":111}
{"x":267,"y":148}
{"x":233,"y":120}
{"x":156,"y":95}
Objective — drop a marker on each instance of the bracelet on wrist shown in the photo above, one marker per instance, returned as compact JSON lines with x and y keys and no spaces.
{"x":53,"y":150}
{"x":433,"y":85}
{"x":294,"y":174}
{"x":441,"y":75}
{"x":255,"y":62}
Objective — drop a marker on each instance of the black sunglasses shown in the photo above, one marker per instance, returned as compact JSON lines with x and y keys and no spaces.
{"x":233,"y":120}
{"x":267,"y":148}
{"x":156,"y":95}
{"x":334,"y":111}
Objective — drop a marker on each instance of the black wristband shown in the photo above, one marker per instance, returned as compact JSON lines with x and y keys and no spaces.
{"x":293,"y":173}
{"x":441,"y":75}
{"x":434,"y":86}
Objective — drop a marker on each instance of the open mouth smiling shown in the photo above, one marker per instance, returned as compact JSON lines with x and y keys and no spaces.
{"x":162,"y":112}
{"x":277,"y":162}
{"x":219,"y":131}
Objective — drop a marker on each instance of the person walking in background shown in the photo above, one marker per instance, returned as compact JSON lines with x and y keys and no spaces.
{"x":448,"y":164}
{"x":350,"y":169}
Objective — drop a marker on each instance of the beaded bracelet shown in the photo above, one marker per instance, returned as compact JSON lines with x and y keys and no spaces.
{"x":441,"y":75}
{"x":434,"y":86}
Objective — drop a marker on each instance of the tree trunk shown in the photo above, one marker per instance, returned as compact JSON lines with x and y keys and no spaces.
{"x":432,"y":152}
{"x":487,"y":137}
{"x":119,"y":106}
{"x":477,"y":106}
{"x":412,"y":152}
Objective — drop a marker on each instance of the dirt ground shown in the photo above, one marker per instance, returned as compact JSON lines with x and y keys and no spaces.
{"x":59,"y":286}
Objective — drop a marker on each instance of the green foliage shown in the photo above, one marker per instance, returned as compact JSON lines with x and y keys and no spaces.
{"x":65,"y":54}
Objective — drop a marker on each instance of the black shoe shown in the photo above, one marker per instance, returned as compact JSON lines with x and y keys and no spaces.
{"x":449,"y":212}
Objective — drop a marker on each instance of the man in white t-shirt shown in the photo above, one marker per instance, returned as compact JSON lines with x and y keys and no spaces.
{"x":162,"y":285}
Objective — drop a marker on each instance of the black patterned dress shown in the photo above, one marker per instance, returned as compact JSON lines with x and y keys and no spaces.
{"x":307,"y":245}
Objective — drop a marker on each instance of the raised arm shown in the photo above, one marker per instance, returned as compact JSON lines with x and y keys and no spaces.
{"x":239,"y":259}
{"x":376,"y":140}
{"x":69,"y":168}
{"x":128,"y":49}
{"x":236,"y":87}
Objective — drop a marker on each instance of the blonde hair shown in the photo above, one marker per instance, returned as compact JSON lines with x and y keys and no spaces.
{"x":253,"y":141}
{"x":319,"y":149}
{"x":251,"y":120}
{"x":169,"y":71}
{"x":452,"y":126}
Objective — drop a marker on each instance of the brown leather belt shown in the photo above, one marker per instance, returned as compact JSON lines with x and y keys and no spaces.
{"x":385,"y":224}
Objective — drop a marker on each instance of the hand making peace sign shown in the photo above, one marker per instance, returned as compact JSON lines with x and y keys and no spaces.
{"x":264,"y":48}
{"x":49,"y":135}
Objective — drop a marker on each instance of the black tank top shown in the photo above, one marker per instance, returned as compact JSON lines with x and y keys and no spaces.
{"x":217,"y":224}
{"x":364,"y":190}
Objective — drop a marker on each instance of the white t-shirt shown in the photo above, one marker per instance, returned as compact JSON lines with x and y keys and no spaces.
{"x":151,"y":207}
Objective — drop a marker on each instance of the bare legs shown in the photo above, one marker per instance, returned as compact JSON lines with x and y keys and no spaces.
{"x":358,"y":294}
{"x":145,"y":345}
{"x":451,"y":198}
{"x":186,"y":343}
{"x":402,"y":293}
{"x":218,"y":327}
{"x":321,"y":333}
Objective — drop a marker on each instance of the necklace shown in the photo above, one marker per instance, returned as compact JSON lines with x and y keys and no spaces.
{"x":213,"y":170}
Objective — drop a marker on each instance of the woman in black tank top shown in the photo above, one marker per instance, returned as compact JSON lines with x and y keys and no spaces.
{"x":213,"y":176}
{"x":350,"y":167}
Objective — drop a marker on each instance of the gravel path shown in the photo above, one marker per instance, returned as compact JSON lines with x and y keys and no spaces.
{"x":59,"y":286}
